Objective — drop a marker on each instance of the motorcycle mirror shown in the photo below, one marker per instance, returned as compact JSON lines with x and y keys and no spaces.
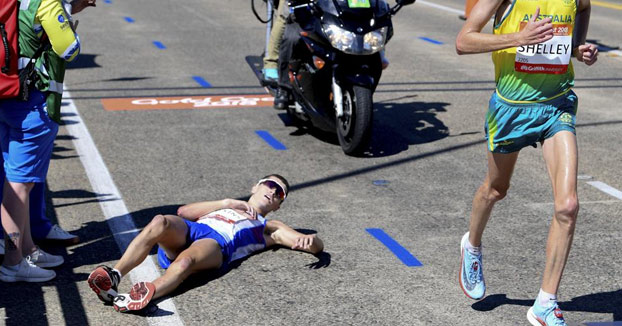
{"x":405,"y":2}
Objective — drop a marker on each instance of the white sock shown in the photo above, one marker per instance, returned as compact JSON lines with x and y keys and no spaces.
{"x":472,"y":249}
{"x":117,"y":271}
{"x":544,"y":298}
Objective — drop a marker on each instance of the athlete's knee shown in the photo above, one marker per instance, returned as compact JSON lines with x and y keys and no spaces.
{"x":158,"y":225}
{"x":566,"y":210}
{"x":496,"y":192}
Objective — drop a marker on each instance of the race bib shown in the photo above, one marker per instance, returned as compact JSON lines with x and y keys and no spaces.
{"x":550,"y":57}
{"x":228,"y":216}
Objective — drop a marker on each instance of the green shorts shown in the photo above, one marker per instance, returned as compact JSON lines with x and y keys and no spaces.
{"x":509,"y":126}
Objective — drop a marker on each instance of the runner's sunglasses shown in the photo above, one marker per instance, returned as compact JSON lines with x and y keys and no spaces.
{"x":272,"y":184}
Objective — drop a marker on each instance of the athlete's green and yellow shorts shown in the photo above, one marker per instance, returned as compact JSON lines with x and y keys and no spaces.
{"x":511,"y":126}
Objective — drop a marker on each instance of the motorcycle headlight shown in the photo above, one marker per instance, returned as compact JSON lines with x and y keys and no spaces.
{"x":339,"y":38}
{"x":374,"y":41}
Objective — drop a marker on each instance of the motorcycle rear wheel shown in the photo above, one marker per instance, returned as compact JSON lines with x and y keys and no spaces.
{"x":354,"y":127}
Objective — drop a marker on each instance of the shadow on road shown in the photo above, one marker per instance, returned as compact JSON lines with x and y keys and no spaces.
{"x":395,"y":127}
{"x":398,"y":125}
{"x":603,"y":302}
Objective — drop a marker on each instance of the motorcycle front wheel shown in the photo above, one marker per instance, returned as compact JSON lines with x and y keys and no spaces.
{"x":354,"y":127}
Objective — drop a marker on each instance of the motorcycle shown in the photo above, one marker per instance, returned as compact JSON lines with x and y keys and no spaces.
{"x":335,"y":68}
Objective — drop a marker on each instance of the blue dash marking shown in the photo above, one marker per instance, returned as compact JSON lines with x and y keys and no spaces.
{"x":159,"y":45}
{"x":129,"y":19}
{"x":270,"y":140}
{"x":108,"y":1}
{"x":382,"y":183}
{"x":406,"y":257}
{"x":201,"y":81}
{"x":427,"y":39}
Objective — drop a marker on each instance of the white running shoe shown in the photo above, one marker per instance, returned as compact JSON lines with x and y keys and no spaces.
{"x":43,"y":259}
{"x":25,"y":271}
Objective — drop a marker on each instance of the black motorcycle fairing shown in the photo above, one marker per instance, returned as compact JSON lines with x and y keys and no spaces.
{"x":313,"y":86}
{"x":358,"y":70}
{"x":356,"y":20}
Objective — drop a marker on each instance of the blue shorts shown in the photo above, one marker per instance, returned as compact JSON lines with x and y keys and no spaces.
{"x":198,"y":231}
{"x":509,"y":126}
{"x":26,"y":138}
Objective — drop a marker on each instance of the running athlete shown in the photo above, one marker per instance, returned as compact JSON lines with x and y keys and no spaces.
{"x":205,"y":235}
{"x":531,"y":45}
{"x":28,"y":129}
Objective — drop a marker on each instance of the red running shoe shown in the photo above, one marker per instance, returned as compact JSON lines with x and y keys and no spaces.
{"x":138,"y":298}
{"x":104,"y":281}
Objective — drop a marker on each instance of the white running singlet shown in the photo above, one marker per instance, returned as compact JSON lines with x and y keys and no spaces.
{"x":242,"y":235}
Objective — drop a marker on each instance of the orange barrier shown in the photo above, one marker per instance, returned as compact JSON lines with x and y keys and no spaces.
{"x":468,"y":6}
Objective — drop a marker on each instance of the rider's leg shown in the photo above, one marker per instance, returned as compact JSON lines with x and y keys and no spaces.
{"x":271,"y":58}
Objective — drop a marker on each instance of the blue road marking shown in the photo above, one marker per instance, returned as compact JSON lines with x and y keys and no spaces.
{"x":427,"y":39}
{"x":201,"y":81}
{"x":159,"y":45}
{"x":406,"y":257}
{"x":108,"y":1}
{"x":129,"y":19}
{"x":270,"y":140}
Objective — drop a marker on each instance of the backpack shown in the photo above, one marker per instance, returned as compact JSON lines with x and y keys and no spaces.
{"x":9,"y":52}
{"x":15,"y":82}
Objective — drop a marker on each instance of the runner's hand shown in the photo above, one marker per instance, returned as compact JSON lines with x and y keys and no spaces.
{"x":304,"y":242}
{"x":242,"y":206}
{"x":587,"y":53}
{"x":536,"y":31}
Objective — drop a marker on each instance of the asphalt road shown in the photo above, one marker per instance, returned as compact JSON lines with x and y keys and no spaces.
{"x":428,"y":158}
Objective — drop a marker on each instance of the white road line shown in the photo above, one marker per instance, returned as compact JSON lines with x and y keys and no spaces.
{"x":606,"y":189}
{"x":431,"y":4}
{"x":119,"y":219}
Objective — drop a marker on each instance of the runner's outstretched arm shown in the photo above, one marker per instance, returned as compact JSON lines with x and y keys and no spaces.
{"x":278,"y":233}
